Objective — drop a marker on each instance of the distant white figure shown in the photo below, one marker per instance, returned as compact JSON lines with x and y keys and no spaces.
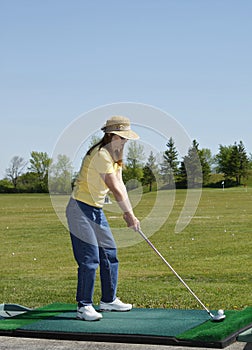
{"x":107,"y":200}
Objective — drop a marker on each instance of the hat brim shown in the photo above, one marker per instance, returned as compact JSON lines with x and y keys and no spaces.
{"x":127,"y":134}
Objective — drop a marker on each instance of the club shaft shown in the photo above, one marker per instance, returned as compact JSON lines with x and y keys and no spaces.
{"x":172,"y":269}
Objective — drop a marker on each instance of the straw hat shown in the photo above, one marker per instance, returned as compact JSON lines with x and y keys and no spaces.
{"x":120,"y":126}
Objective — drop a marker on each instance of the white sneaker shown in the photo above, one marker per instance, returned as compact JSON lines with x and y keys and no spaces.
{"x":116,"y":305}
{"x":88,"y":313}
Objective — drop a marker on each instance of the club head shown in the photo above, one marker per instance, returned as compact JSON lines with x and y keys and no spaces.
{"x":218,"y":318}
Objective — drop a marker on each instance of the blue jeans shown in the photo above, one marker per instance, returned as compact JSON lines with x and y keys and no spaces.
{"x":93,"y":245}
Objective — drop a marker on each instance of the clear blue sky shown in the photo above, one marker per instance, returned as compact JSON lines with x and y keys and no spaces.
{"x":61,"y":58}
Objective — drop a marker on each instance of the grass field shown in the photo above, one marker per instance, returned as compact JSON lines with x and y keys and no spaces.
{"x":213,"y":254}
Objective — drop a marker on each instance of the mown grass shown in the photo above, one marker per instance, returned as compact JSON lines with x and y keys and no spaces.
{"x":212,"y":254}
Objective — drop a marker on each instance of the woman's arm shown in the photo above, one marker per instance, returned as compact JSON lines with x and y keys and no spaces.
{"x":117,"y":187}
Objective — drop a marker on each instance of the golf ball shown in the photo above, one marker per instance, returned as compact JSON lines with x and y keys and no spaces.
{"x":220,"y":312}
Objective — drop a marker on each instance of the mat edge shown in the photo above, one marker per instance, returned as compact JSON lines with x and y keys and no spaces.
{"x":121,"y":338}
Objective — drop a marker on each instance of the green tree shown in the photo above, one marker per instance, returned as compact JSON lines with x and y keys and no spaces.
{"x":182,"y":176}
{"x":39,"y":165}
{"x":150,"y":171}
{"x":239,"y":162}
{"x":28,"y":182}
{"x":5,"y":186}
{"x":209,"y":158}
{"x":223,"y":160}
{"x":233,"y":162}
{"x":250,"y":161}
{"x":60,"y":175}
{"x":169,"y":167}
{"x":133,"y":170}
{"x":205,"y":159}
{"x":191,"y":169}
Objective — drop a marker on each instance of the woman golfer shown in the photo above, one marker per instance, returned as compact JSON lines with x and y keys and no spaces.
{"x":92,"y":240}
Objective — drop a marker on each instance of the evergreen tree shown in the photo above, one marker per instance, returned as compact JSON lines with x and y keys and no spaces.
{"x":205,"y":165}
{"x":169,"y":167}
{"x":223,"y":160}
{"x":182,"y":176}
{"x":250,"y":161}
{"x":239,"y":162}
{"x":191,"y":169}
{"x":150,"y":171}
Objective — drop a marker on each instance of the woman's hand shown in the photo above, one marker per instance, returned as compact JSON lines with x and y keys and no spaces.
{"x":117,"y":187}
{"x":131,"y":221}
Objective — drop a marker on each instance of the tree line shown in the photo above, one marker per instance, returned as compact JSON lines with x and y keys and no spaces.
{"x":162,"y":170}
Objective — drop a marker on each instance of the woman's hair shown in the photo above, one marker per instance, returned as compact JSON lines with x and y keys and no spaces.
{"x":106,"y":142}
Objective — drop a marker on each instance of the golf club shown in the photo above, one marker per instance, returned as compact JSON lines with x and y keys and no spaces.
{"x":216,"y":318}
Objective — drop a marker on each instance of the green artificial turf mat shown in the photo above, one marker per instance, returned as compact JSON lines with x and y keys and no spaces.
{"x":156,"y":326}
{"x":47,"y":311}
{"x":155,"y":322}
{"x":216,"y":331}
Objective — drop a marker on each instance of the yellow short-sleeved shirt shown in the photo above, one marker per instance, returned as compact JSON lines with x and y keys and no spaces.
{"x":89,"y":186}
